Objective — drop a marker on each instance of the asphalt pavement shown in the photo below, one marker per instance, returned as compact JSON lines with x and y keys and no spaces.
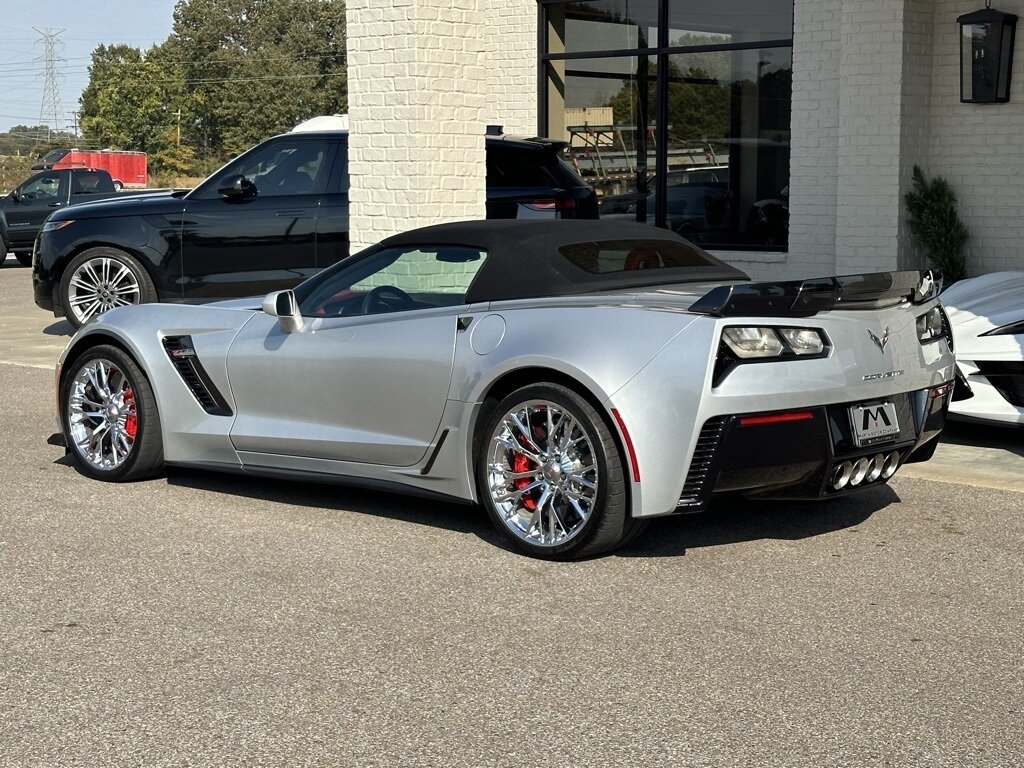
{"x":200,"y":619}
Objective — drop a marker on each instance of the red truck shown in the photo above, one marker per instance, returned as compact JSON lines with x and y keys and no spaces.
{"x":127,"y":169}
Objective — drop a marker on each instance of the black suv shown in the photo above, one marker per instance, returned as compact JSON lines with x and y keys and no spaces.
{"x":264,"y":222}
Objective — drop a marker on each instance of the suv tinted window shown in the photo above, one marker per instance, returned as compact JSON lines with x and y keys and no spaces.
{"x":282,"y":167}
{"x":520,"y":169}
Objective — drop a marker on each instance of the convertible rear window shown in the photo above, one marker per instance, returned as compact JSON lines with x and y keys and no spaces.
{"x":609,"y":256}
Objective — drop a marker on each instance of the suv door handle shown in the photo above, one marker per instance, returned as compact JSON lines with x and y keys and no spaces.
{"x":291,"y":213}
{"x":55,"y":205}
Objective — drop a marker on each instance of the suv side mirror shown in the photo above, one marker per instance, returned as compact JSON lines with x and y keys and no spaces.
{"x":237,"y":187}
{"x":16,"y":195}
{"x":283,"y":306}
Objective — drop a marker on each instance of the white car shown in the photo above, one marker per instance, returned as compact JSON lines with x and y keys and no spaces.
{"x":987,"y":318}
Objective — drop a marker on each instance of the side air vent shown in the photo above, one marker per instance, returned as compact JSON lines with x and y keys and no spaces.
{"x":694,"y":494}
{"x":1007,"y":377}
{"x":183,"y":357}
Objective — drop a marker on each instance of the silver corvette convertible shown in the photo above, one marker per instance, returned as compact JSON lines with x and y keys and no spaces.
{"x":574,"y":378}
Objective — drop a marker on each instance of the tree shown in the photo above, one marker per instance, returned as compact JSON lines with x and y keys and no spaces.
{"x":128,"y":100}
{"x":232,"y":73}
{"x":258,"y":67}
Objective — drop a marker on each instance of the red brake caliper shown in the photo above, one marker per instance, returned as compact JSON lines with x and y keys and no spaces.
{"x":522,"y":463}
{"x":131,"y":423}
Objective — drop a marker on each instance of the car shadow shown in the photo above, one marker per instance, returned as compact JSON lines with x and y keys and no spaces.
{"x":734,"y":519}
{"x":59,"y":328}
{"x":1006,"y":437}
{"x":727,"y":521}
{"x":453,"y":516}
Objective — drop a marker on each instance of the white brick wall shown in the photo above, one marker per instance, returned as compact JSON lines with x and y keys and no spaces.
{"x":915,"y":117}
{"x":512,"y":66}
{"x":870,"y":74}
{"x":876,"y":90}
{"x":417,"y":98}
{"x":425,"y":77}
{"x":978,"y":148}
{"x":813,"y":184}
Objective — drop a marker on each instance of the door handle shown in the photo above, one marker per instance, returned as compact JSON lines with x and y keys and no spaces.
{"x":55,"y":205}
{"x":291,"y":213}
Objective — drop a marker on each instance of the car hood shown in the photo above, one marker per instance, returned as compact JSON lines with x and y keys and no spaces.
{"x":124,"y":205}
{"x":984,"y":303}
{"x":980,"y":305}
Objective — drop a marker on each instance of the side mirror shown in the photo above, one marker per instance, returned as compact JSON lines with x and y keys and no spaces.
{"x":283,"y":306}
{"x":15,"y":195}
{"x":236,"y":187}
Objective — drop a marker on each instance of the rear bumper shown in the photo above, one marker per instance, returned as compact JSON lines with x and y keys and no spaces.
{"x":757,"y":456}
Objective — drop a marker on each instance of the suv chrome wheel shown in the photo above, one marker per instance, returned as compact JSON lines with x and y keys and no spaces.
{"x":100,"y":284}
{"x":542,"y":473}
{"x":102,"y":415}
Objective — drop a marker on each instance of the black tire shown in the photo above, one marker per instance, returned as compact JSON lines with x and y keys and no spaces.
{"x":77,"y":301}
{"x":24,"y":258}
{"x":608,"y":524}
{"x":118,"y":186}
{"x":145,"y":454}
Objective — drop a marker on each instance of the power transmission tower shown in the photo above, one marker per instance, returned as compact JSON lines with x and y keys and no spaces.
{"x":49,"y":110}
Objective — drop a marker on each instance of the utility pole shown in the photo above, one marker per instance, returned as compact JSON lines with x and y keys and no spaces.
{"x":178,"y":113}
{"x":49,"y":110}
{"x":75,"y":134}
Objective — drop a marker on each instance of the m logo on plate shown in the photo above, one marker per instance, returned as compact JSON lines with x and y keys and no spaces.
{"x":872,"y":416}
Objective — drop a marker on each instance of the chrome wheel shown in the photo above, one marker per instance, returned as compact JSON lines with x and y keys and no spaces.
{"x":100,"y":284}
{"x":542,"y":473}
{"x":102,"y":415}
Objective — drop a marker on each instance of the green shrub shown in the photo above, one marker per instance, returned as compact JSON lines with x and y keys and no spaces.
{"x":936,"y":226}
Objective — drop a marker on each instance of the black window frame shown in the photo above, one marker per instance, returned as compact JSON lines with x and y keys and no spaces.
{"x":662,"y":53}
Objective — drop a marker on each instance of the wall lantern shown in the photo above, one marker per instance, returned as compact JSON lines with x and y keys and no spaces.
{"x":986,"y":55}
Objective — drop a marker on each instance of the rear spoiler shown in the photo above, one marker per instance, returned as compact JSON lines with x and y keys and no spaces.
{"x":803,"y":298}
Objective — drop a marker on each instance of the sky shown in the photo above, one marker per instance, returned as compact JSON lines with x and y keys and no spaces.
{"x":86,"y":24}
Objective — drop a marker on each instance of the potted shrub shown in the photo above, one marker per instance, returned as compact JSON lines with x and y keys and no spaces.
{"x":935,"y":225}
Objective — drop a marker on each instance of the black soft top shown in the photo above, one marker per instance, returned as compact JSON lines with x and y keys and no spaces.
{"x":528,"y":259}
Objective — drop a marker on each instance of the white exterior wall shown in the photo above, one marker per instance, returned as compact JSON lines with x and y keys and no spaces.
{"x":425,"y":77}
{"x":814,"y":161}
{"x":888,"y":70}
{"x":512,"y":66}
{"x":979,"y":148}
{"x":417,"y":97}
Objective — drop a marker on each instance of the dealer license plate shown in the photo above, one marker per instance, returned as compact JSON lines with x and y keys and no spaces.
{"x":873,"y":423}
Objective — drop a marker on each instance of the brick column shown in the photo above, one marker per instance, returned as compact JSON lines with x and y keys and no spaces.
{"x":417,"y":81}
{"x":861,"y":88}
{"x":512,"y":66}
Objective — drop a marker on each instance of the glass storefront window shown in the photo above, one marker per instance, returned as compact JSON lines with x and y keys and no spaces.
{"x":698,"y":22}
{"x":692,"y":135}
{"x":603,"y":25}
{"x":608,"y":144}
